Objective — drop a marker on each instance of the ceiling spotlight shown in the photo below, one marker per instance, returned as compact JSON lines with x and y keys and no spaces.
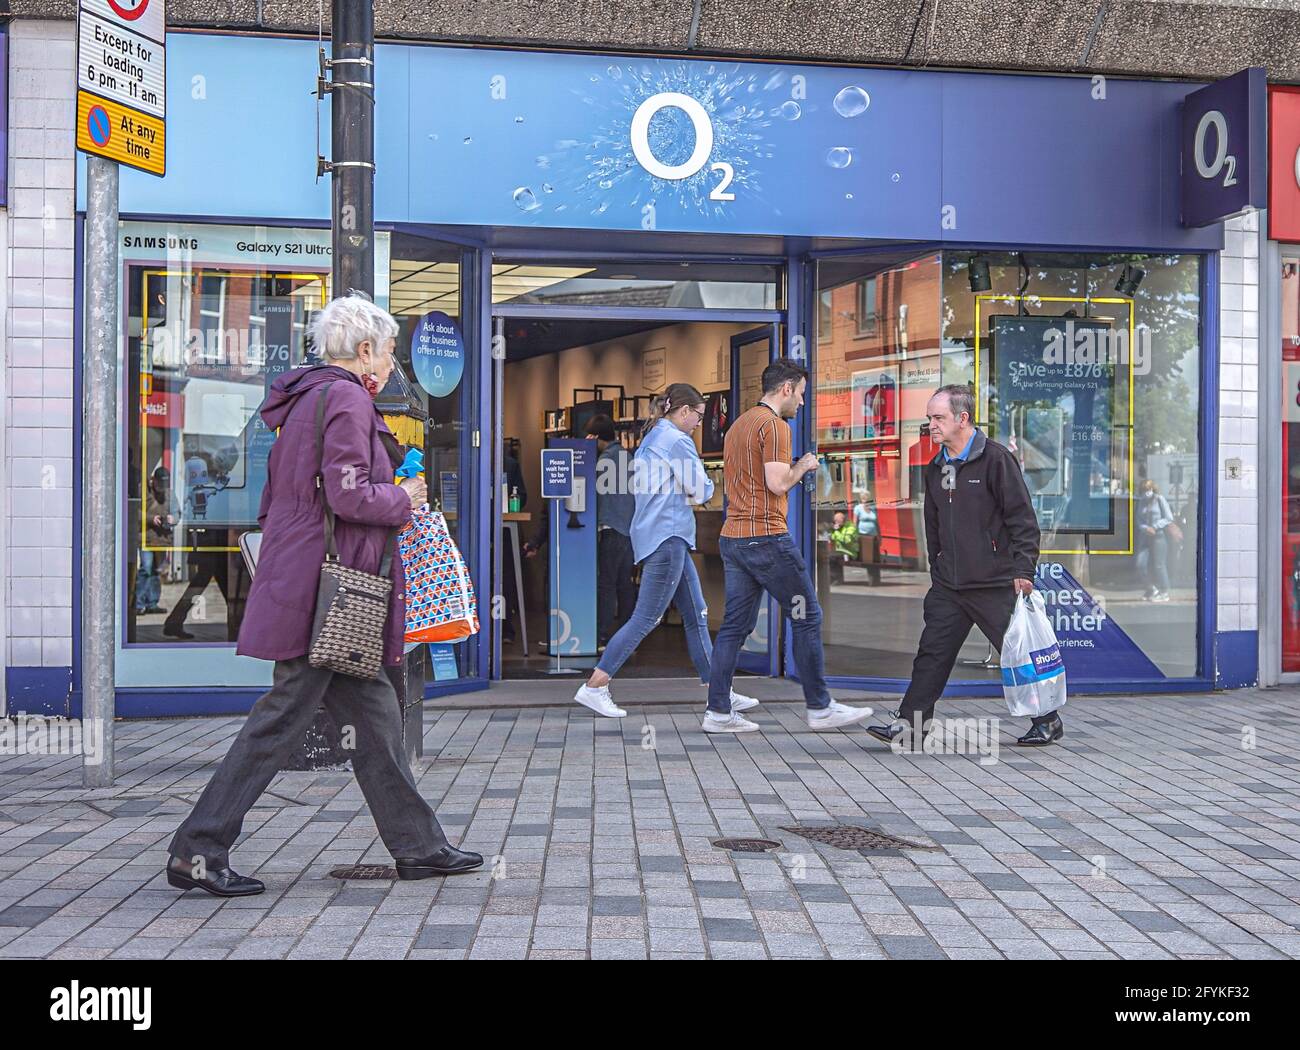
{"x":1128,"y":283}
{"x":978,"y":273}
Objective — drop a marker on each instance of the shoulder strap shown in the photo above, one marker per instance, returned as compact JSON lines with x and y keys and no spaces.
{"x":331,"y":550}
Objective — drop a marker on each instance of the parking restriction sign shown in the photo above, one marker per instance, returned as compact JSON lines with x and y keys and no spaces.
{"x":122,"y":82}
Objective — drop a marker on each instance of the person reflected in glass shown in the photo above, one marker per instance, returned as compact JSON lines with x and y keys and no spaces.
{"x":159,"y":523}
{"x":845,"y":543}
{"x":868,"y":524}
{"x":1153,"y":520}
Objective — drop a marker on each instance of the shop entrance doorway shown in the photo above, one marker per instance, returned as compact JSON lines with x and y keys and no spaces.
{"x":557,"y":380}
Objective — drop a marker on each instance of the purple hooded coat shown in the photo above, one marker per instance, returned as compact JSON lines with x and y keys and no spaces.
{"x":368,"y":506}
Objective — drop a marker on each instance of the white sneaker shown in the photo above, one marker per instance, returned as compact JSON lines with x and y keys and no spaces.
{"x":732,"y":723}
{"x":599,"y":701}
{"x":836,"y":716}
{"x":740,"y":702}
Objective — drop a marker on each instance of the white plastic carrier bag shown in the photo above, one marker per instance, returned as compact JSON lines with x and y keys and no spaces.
{"x":1033,"y":676}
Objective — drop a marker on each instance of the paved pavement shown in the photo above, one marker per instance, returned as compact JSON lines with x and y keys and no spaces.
{"x":1164,"y":827}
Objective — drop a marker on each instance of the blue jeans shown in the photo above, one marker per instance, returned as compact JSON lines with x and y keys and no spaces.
{"x":668,"y":575}
{"x":772,"y":564}
{"x":1153,"y":560}
{"x":148,"y":581}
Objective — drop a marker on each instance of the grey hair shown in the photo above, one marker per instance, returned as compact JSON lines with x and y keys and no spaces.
{"x":345,"y":323}
{"x":959,"y":400}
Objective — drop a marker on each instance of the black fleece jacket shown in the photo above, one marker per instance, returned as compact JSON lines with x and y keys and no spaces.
{"x":980,"y":526}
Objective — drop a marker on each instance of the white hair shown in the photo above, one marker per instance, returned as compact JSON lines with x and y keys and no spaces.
{"x":347,"y":322}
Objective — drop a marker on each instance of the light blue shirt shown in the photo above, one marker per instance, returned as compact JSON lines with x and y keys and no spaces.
{"x":667,"y":477}
{"x":964,"y":452}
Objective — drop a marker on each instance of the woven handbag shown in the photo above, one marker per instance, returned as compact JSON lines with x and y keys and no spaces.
{"x":347,"y":633}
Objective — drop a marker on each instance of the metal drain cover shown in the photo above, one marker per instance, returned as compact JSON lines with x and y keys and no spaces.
{"x":365,"y":872}
{"x":850,"y":836}
{"x":747,"y":845}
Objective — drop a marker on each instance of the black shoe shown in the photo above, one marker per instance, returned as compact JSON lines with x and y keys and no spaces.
{"x":220,"y":882}
{"x":903,"y":728}
{"x":1043,"y":733}
{"x":447,"y":861}
{"x":154,"y":610}
{"x":176,"y":631}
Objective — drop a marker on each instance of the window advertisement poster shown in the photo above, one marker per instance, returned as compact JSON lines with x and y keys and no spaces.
{"x":213,"y":316}
{"x":572,"y":563}
{"x":1053,"y":404}
{"x":874,"y":405}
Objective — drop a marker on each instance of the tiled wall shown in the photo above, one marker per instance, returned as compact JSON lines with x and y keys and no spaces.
{"x":1238,"y":425}
{"x":38,"y":346}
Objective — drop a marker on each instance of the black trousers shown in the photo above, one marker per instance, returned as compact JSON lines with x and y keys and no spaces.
{"x":949,"y":616}
{"x":615,"y":591}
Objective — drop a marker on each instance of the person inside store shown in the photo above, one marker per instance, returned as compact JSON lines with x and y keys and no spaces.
{"x":983,"y":539}
{"x":868,"y":523}
{"x":668,"y":479}
{"x":159,"y":525}
{"x":515,"y":489}
{"x":615,"y":508}
{"x":1155,"y":524}
{"x":350,"y":461}
{"x":844,"y":544}
{"x":758,"y":554}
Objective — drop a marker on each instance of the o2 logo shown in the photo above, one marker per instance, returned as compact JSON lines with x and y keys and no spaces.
{"x":1210,"y":169}
{"x":703,"y":142}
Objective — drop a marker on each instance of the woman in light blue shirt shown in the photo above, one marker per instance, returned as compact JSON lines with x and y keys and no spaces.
{"x":668,"y":479}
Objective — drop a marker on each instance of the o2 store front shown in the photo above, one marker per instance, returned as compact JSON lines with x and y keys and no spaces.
{"x":664,"y":219}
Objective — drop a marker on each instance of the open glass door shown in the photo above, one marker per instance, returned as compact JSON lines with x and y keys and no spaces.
{"x":751,"y":352}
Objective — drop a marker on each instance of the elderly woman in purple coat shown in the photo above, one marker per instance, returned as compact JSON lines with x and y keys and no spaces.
{"x":358,"y":456}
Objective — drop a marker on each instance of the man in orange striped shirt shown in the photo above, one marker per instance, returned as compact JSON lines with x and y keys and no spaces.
{"x":758,"y":554}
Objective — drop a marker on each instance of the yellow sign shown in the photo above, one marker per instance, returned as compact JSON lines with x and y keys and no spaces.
{"x":120,"y":133}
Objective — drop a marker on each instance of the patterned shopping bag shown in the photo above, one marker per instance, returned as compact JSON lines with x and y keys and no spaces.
{"x":440,"y":604}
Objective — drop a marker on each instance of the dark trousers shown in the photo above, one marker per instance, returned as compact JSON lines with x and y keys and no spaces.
{"x":615,"y":591}
{"x":772,"y":564}
{"x":949,"y":616}
{"x":205,"y":566}
{"x":276,"y":725}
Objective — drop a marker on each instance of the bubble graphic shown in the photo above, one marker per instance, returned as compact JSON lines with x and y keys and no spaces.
{"x":526,"y":199}
{"x":839,"y":157}
{"x":606,"y":184}
{"x":852,"y":102}
{"x":615,"y":71}
{"x":789,"y":110}
{"x":848,"y":196}
{"x":519,"y":120}
{"x":547,"y":188}
{"x":468,"y":140}
{"x":895,"y":177}
{"x":543,"y":161}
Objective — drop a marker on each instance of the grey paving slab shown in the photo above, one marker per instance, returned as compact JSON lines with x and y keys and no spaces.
{"x":1156,"y":842}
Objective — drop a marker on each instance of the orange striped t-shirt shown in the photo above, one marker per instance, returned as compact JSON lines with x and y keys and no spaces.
{"x":759,"y":436}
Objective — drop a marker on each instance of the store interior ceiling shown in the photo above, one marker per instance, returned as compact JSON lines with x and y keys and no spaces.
{"x":529,"y":337}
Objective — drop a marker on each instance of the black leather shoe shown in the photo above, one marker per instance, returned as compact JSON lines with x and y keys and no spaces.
{"x":447,"y":861}
{"x":174,"y":631}
{"x":1044,"y":733}
{"x":220,"y":882}
{"x":900,"y":728}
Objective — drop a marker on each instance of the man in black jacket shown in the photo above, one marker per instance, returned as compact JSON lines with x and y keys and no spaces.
{"x":982,"y":537}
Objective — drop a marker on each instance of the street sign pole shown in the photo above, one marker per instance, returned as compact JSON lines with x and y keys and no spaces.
{"x":352,"y":114}
{"x":121,"y":119}
{"x":99,"y":474}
